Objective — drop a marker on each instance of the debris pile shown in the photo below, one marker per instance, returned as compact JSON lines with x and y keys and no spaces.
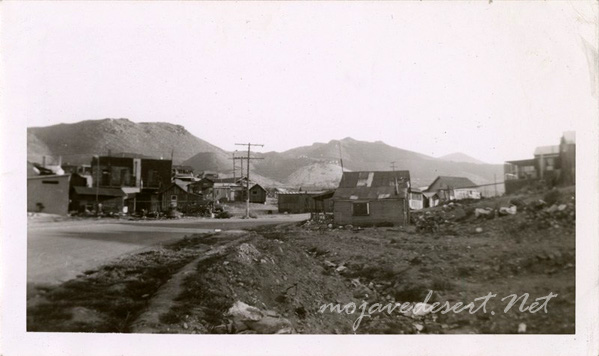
{"x":542,"y":216}
{"x":537,"y":213}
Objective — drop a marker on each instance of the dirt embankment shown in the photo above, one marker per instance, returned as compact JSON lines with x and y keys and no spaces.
{"x":276,"y":279}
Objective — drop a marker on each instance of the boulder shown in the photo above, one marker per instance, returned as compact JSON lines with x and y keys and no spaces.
{"x":245,"y":312}
{"x":482,"y":212}
{"x":257,"y":321}
{"x":512,"y":210}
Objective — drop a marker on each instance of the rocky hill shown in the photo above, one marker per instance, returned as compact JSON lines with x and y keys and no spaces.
{"x":319,"y":164}
{"x":77,"y":142}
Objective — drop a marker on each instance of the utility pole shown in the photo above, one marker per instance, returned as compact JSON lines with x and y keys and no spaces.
{"x":393,"y":166}
{"x":234,"y":166}
{"x":247,"y":187}
{"x":98,"y":181}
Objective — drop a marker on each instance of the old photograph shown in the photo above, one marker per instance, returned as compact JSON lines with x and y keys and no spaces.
{"x":302,"y":168}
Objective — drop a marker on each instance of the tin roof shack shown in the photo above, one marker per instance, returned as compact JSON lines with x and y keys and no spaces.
{"x":48,"y":194}
{"x":112,"y":199}
{"x":257,"y":194}
{"x":454,"y":188}
{"x":296,"y":202}
{"x":372,"y":198}
{"x":178,"y":196}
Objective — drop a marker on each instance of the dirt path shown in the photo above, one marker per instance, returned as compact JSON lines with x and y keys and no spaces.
{"x":165,"y":299}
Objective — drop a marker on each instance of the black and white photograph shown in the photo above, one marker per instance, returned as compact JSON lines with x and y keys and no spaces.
{"x":318,"y":177}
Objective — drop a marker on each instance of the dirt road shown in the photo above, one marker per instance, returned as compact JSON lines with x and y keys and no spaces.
{"x":59,"y":251}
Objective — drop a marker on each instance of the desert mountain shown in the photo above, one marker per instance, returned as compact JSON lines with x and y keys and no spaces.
{"x":460,"y":157}
{"x":77,"y":142}
{"x":317,"y":165}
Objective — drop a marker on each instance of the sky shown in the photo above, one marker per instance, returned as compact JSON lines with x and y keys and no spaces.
{"x":490,"y":80}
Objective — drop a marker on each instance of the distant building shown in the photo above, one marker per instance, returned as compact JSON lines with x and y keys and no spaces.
{"x":139,"y":177}
{"x":208,"y":174}
{"x":454,"y":188}
{"x":257,"y":194}
{"x":179,"y":169}
{"x":178,"y":195}
{"x":372,"y":198}
{"x":552,"y":165}
{"x":48,"y":194}
{"x":53,"y":194}
{"x":146,"y":173}
{"x":430,"y":199}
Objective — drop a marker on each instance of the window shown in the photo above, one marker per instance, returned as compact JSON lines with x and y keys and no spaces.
{"x":173,"y":198}
{"x":49,"y":182}
{"x":361,"y":209}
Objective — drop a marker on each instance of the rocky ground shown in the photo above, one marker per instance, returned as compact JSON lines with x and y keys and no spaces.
{"x":276,"y":279}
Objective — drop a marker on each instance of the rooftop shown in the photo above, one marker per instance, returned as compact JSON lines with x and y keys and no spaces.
{"x":453,"y":182}
{"x":373,"y":185}
{"x":547,"y":150}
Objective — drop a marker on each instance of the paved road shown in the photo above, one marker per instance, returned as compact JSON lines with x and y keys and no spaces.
{"x":59,"y":251}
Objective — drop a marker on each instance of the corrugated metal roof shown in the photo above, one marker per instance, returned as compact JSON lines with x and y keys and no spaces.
{"x":375,"y":185}
{"x":373,"y":178}
{"x":453,"y":182}
{"x":547,"y":150}
{"x":182,"y":184}
{"x":110,"y":192}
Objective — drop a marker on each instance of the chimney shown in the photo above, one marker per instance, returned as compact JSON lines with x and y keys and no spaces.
{"x":59,"y":161}
{"x":44,"y":162}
